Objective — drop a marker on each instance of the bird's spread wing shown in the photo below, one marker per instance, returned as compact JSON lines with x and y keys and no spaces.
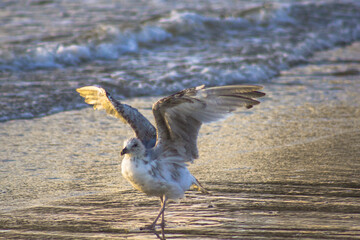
{"x":179,"y":116}
{"x":101,"y":99}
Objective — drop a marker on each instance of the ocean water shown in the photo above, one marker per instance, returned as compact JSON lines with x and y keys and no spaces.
{"x":137,"y":48}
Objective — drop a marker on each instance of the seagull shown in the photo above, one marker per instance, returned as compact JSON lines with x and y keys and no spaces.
{"x":155,"y":160}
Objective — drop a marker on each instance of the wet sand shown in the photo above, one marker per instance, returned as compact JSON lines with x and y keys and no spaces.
{"x":286,"y":169}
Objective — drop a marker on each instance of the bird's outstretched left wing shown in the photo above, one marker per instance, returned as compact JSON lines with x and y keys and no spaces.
{"x":179,"y":116}
{"x":101,"y":99}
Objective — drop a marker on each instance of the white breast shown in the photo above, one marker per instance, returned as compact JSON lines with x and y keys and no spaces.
{"x":140,"y":175}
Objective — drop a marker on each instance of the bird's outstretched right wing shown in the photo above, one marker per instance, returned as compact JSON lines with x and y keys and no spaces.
{"x":179,"y":116}
{"x":101,"y":99}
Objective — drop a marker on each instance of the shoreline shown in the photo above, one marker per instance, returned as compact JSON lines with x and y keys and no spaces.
{"x":298,"y":148}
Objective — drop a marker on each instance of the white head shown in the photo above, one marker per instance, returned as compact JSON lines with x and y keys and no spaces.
{"x":133,"y":147}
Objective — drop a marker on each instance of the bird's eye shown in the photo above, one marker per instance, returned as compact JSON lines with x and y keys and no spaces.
{"x":135,"y":145}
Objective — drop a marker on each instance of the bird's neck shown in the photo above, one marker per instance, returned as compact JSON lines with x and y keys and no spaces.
{"x":135,"y":157}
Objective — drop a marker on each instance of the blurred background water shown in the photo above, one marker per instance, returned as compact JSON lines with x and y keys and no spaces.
{"x":135,"y":48}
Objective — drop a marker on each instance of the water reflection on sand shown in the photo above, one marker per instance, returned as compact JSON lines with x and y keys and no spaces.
{"x":232,"y":210}
{"x":304,"y":188}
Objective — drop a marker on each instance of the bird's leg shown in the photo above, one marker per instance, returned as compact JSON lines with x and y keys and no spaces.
{"x":163,"y":213}
{"x":162,"y":209}
{"x":163,"y":217}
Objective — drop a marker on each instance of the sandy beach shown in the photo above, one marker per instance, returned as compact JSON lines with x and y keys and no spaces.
{"x":286,"y":169}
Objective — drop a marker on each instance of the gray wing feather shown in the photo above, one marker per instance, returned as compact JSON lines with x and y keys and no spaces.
{"x":179,"y":116}
{"x":101,"y":99}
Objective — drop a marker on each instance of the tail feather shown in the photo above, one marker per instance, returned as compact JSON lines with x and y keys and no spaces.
{"x":197,"y":185}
